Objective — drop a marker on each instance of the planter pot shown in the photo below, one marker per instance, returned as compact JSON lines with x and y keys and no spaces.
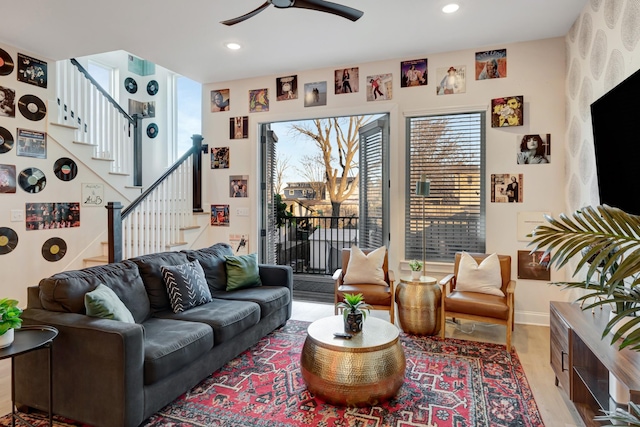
{"x":353,"y":323}
{"x":6,"y":339}
{"x":415,"y":275}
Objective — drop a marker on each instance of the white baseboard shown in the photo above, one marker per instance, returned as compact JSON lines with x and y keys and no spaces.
{"x":532,"y":318}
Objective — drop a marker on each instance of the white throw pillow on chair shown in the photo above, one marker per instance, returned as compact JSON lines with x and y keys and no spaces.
{"x":485,"y":278}
{"x":365,"y":268}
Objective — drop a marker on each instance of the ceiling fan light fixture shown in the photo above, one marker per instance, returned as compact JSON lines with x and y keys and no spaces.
{"x":450,"y":8}
{"x":233,"y":46}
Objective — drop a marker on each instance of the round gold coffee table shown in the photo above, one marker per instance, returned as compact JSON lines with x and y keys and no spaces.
{"x":419,"y":305}
{"x":363,"y":371}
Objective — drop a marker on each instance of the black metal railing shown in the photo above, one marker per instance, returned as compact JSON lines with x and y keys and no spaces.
{"x":312,"y":244}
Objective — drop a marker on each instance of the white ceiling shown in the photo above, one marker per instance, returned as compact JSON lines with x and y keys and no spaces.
{"x":186,"y":36}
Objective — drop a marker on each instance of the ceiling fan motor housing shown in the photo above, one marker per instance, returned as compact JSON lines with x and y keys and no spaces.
{"x":283,"y":3}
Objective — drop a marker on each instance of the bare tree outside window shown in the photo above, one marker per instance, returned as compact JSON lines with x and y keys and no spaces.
{"x":337,"y":135}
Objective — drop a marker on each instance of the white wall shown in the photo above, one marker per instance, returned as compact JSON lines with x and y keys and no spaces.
{"x":536,"y":70}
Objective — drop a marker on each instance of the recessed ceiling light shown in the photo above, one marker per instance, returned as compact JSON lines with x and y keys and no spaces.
{"x":233,"y":46}
{"x":450,"y":8}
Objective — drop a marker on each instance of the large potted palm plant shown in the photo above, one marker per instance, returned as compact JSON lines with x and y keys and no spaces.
{"x":606,"y":242}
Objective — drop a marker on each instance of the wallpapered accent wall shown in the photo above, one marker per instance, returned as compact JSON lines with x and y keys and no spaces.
{"x":602,"y":50}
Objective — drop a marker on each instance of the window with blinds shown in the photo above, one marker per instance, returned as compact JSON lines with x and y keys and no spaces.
{"x":449,"y":150}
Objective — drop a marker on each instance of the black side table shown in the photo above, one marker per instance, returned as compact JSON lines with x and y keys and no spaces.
{"x":27,"y":339}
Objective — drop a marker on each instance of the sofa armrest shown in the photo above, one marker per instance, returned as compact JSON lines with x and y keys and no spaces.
{"x":276,"y":275}
{"x":97,"y":364}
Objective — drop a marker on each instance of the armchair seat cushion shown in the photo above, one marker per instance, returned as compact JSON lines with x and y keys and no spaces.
{"x":374,"y":294}
{"x":478,"y":304}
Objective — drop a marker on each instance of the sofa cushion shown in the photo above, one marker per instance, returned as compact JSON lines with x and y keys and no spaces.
{"x":65,"y":291}
{"x":170,"y":345}
{"x":104,"y":303}
{"x":212,"y":261}
{"x":242,"y":271}
{"x":149,"y":266}
{"x":186,"y":286}
{"x":269,"y":298}
{"x":228,"y":318}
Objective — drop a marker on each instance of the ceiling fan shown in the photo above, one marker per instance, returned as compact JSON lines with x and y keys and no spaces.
{"x":319,"y":5}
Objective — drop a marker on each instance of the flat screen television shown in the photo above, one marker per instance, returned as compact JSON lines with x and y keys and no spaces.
{"x":615,"y":120}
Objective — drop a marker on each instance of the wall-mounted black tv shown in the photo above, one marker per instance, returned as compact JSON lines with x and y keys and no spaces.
{"x":616,"y":135}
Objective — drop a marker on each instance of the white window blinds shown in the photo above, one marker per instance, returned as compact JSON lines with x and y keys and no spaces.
{"x":449,"y":150}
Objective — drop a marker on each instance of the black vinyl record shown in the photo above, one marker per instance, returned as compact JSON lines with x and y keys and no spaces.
{"x":54,"y":249}
{"x":32,"y":107}
{"x":32,"y":180}
{"x":152,"y":130}
{"x":6,"y":63}
{"x":130,"y":85}
{"x":152,"y":87}
{"x":6,"y":140}
{"x":8,"y":240}
{"x":65,"y":169}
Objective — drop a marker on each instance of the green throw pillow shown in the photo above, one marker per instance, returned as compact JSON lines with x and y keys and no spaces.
{"x":242,"y":272}
{"x":103,"y":302}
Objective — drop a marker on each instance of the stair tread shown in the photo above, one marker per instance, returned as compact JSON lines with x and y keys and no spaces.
{"x":104,"y":159}
{"x":119,"y":173}
{"x":104,"y":258}
{"x":85,"y":143}
{"x":62,"y":125}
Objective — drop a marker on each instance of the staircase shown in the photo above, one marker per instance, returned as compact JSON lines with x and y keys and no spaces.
{"x":97,"y":132}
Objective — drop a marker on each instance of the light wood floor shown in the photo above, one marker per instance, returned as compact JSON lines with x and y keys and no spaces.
{"x":531,"y":344}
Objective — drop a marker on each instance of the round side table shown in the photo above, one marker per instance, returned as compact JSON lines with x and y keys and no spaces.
{"x":27,"y":339}
{"x":419,"y":305}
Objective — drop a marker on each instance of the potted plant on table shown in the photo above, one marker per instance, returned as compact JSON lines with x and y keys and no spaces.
{"x":606,"y":241}
{"x":416,"y":269}
{"x":354,"y":311}
{"x":9,"y":320}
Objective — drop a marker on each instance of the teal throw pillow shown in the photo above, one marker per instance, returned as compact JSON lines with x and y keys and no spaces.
{"x":104,"y":303}
{"x":242,"y":272}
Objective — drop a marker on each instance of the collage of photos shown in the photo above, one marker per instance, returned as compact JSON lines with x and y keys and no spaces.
{"x":47,"y":216}
{"x":507,"y":188}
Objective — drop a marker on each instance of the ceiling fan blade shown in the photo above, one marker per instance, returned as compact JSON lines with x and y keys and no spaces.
{"x":246,"y":15}
{"x":329,"y":7}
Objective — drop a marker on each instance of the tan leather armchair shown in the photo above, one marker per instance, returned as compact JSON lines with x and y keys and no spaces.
{"x":477,"y":306}
{"x":377,"y":296}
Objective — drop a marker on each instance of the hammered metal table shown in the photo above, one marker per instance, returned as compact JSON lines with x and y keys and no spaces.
{"x":419,"y":305}
{"x":363,"y":371}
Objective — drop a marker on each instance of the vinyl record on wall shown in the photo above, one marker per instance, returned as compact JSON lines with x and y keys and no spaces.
{"x":130,"y":85}
{"x":152,"y":130}
{"x":65,"y":169}
{"x":54,"y":249}
{"x":8,"y":240}
{"x":6,"y":63}
{"x":6,"y":140}
{"x":32,"y":180}
{"x":32,"y":107}
{"x":152,"y":87}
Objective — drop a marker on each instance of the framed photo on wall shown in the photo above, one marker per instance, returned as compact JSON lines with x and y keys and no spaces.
{"x":533,"y":265}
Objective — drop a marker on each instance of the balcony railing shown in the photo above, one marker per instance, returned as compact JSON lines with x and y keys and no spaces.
{"x":312,"y":245}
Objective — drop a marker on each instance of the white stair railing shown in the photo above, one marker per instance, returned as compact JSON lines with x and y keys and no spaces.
{"x":157,"y":222}
{"x":98,"y":119}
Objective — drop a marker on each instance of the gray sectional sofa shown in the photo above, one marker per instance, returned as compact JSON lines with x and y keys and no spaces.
{"x":109,"y":373}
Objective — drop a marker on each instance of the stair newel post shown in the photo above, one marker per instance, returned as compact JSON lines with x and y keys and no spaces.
{"x":114,"y":231}
{"x":137,"y":150}
{"x":198,"y":149}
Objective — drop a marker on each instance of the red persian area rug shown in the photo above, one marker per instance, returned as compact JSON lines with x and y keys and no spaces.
{"x":447,"y":383}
